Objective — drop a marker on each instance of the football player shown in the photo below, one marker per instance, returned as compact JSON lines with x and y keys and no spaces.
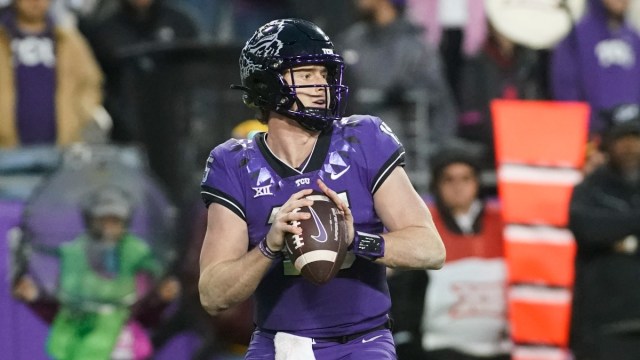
{"x":291,"y":74}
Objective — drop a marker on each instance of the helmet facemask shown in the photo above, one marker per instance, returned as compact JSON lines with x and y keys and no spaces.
{"x":335,"y":93}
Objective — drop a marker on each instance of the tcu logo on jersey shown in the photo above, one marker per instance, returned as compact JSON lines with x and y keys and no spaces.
{"x":33,"y":50}
{"x":615,"y":52}
{"x":303,"y":181}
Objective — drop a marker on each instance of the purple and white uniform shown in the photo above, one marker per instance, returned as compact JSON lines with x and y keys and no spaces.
{"x":353,"y":157}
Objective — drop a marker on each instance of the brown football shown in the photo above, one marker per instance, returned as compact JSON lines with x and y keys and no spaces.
{"x":318,"y":253}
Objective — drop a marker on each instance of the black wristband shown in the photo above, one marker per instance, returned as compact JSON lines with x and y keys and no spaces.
{"x":367,"y":245}
{"x":266,"y":251}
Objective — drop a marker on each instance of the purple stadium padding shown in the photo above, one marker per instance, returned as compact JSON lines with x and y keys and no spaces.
{"x":22,"y":334}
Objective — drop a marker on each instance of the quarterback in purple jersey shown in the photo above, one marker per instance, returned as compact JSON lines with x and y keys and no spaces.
{"x":290,"y":73}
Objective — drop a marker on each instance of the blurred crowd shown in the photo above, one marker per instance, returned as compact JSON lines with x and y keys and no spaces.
{"x":155,"y":74}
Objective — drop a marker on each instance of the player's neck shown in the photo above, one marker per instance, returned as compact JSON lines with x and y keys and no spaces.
{"x":289,"y":142}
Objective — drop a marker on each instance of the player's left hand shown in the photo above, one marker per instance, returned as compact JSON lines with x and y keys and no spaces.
{"x":25,"y":289}
{"x":169,"y":289}
{"x":342,"y":206}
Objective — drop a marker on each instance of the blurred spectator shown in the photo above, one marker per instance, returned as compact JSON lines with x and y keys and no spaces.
{"x":234,"y":21}
{"x":225,"y":336}
{"x":458,"y":312}
{"x":457,"y":27}
{"x":598,"y":63}
{"x":135,"y":23}
{"x":248,"y":128}
{"x":605,"y":220}
{"x":333,"y":16}
{"x":214,"y":17}
{"x":91,"y":12}
{"x":50,"y":83}
{"x":385,"y":43}
{"x":501,"y":70}
{"x":634,"y":14}
{"x":101,"y":278}
{"x":249,"y":15}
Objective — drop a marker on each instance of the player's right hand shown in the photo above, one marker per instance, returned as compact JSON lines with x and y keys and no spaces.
{"x":169,"y":289}
{"x":285,"y":219}
{"x":348,"y":216}
{"x":25,"y":289}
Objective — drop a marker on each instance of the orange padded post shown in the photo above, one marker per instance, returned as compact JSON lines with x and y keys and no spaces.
{"x":546,"y":133}
{"x":540,"y":317}
{"x":527,"y":203}
{"x":539,"y":255}
{"x":540,"y":147}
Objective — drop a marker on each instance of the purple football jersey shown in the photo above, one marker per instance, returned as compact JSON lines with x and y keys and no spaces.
{"x":353,"y":157}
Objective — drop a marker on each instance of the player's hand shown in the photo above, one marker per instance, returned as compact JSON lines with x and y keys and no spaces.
{"x":628,"y":245}
{"x":284,"y":221}
{"x":26,"y":289}
{"x":342,"y":206}
{"x":169,"y":289}
{"x":593,"y":161}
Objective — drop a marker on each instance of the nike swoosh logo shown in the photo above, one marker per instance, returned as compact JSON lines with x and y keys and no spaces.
{"x":336,"y":176}
{"x":322,"y":233}
{"x":364,"y":341}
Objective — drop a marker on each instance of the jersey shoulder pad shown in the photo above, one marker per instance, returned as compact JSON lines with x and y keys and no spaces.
{"x":371,"y":132}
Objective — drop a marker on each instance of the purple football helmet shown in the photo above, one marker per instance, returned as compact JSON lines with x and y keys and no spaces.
{"x":283,"y":44}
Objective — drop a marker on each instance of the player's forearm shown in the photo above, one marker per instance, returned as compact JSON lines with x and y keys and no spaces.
{"x":414,"y":247}
{"x":228,"y":283}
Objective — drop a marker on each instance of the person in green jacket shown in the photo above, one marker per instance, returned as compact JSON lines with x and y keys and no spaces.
{"x":99,"y":279}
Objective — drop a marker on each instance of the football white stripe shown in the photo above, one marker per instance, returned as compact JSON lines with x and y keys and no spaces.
{"x":318,"y":198}
{"x":313,"y":256}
